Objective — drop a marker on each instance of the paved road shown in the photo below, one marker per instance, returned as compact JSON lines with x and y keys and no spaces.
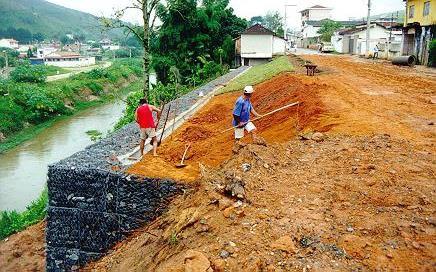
{"x":77,"y":71}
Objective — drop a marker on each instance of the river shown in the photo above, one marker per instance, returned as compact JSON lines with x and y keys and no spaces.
{"x":23,"y":170}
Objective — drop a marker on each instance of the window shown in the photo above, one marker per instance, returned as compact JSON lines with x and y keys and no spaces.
{"x":411,"y":11}
{"x":426,"y":8}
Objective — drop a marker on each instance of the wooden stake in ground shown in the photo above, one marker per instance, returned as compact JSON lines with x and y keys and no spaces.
{"x":266,"y":114}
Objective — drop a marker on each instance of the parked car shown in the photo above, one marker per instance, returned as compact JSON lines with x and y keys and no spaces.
{"x":326,"y":47}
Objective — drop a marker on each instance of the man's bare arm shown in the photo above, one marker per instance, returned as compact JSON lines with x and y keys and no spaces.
{"x":253,"y":111}
{"x":153,"y":108}
{"x":136,"y":115}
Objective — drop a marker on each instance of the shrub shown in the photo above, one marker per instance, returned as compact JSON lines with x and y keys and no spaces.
{"x":95,"y":87}
{"x":12,"y":116}
{"x":432,"y":54}
{"x":210,"y":70}
{"x":29,"y":73}
{"x":97,"y":73}
{"x":38,"y":103}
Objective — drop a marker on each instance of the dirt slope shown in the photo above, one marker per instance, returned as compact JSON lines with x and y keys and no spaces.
{"x":347,"y":203}
{"x":361,"y":199}
{"x":24,"y":251}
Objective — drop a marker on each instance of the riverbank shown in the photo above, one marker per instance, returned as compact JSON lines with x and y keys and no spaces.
{"x":28,"y":109}
{"x":33,"y":131}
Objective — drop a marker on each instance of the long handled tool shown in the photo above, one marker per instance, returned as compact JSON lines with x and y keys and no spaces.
{"x":266,"y":114}
{"x":182,"y":164}
{"x":165,"y":123}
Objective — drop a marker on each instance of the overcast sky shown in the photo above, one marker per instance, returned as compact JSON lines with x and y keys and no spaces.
{"x":342,"y":9}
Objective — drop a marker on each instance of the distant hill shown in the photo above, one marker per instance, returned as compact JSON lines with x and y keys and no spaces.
{"x":51,"y":20}
{"x":398,"y":16}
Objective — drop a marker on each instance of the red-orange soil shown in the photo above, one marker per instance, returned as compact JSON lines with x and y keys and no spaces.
{"x":210,"y":146}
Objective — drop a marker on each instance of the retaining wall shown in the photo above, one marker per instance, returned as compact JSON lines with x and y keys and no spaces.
{"x":93,"y":204}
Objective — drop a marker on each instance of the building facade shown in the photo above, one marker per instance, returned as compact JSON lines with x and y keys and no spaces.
{"x":311,"y":19}
{"x":353,"y":40}
{"x":258,"y":45}
{"x":419,"y":28}
{"x":68,"y":59}
{"x":9,"y":43}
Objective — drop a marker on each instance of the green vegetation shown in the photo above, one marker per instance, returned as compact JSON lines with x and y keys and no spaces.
{"x":432,"y":54}
{"x":94,"y":134}
{"x":259,"y":73}
{"x":28,"y":20}
{"x":29,"y":73}
{"x":30,"y":106}
{"x":327,"y":29}
{"x":12,"y":222}
{"x":272,"y":20}
{"x":53,"y":70}
{"x":196,"y":38}
{"x":11,"y":54}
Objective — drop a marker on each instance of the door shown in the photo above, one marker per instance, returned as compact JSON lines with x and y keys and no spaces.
{"x":351,"y":46}
{"x":246,"y":62}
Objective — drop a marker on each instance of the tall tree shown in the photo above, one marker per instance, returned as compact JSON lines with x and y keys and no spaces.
{"x":256,"y":20}
{"x":190,"y":36}
{"x":274,"y":21}
{"x":147,"y":9}
{"x":328,"y":27}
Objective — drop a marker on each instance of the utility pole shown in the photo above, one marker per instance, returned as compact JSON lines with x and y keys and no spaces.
{"x":390,"y":36}
{"x":368,"y":24}
{"x":286,"y":26}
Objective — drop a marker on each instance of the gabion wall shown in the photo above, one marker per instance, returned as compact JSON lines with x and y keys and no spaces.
{"x":90,"y":210}
{"x":93,"y":204}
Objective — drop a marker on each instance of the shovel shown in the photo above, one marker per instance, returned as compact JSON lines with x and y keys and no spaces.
{"x":182,"y":164}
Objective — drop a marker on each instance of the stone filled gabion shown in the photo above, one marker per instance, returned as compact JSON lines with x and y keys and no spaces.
{"x":93,"y":204}
{"x":91,"y":209}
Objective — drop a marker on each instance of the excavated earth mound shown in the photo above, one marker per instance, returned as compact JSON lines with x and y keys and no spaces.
{"x":210,"y":146}
{"x":341,"y":204}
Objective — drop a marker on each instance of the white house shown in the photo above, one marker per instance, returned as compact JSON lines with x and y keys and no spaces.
{"x":316,"y":13}
{"x":258,"y":45}
{"x":311,"y":22}
{"x":353,"y":40}
{"x":106,"y":44}
{"x":9,"y":43}
{"x":44,"y":51}
{"x":68,"y":59}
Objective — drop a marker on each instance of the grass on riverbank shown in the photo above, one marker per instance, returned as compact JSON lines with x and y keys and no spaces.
{"x":26,"y":109}
{"x":33,"y":131}
{"x":12,"y":221}
{"x":52,"y":70}
{"x":259,"y":73}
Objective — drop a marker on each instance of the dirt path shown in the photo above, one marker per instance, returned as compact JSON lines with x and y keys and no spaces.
{"x":377,"y":98}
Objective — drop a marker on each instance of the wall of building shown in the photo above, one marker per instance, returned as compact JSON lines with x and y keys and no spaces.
{"x":256,"y":46}
{"x":279,"y":46}
{"x":7,"y":43}
{"x":310,"y":31}
{"x":319,"y":14}
{"x":82,"y":62}
{"x":419,"y":17}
